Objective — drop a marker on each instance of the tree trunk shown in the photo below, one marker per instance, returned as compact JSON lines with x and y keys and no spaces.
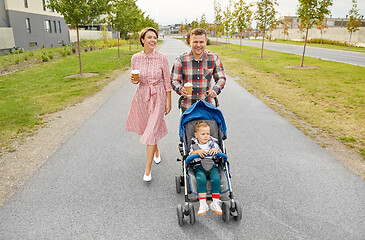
{"x":350,"y":40}
{"x":130,"y":44}
{"x":321,"y":36}
{"x":241,"y":42}
{"x":118,"y":35}
{"x":305,"y":43}
{"x":262,"y":45}
{"x":78,"y":48}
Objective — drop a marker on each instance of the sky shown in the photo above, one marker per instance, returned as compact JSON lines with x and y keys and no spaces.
{"x":166,"y":12}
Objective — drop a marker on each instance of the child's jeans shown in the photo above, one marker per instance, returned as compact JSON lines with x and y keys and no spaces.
{"x":201,"y":179}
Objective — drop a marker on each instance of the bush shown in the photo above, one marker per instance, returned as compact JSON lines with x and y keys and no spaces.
{"x":43,"y":57}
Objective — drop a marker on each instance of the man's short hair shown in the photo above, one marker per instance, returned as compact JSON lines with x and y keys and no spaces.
{"x":198,"y":31}
{"x":143,"y":33}
{"x":200,"y":124}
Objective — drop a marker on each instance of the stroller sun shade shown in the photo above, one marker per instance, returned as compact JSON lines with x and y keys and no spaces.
{"x":202,"y":110}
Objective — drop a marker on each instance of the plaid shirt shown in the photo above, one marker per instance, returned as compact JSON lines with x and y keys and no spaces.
{"x":200,"y":73}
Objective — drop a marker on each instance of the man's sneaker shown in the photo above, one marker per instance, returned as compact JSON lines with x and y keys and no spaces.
{"x":216,"y":207}
{"x":203,"y":208}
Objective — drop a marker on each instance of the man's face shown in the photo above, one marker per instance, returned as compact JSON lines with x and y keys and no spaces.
{"x":198,"y":44}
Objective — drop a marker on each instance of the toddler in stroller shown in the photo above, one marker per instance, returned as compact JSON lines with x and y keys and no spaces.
{"x":189,"y":180}
{"x":206,"y":146}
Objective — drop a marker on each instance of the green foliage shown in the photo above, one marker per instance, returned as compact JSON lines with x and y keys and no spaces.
{"x":266,"y":14}
{"x":125,"y":17}
{"x":218,"y":18}
{"x":80,"y":12}
{"x":312,"y":12}
{"x":203,"y":22}
{"x":354,"y":23}
{"x":242,"y":15}
{"x":228,"y":19}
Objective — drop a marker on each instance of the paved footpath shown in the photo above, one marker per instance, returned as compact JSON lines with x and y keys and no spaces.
{"x":92,"y":188}
{"x":353,"y":58}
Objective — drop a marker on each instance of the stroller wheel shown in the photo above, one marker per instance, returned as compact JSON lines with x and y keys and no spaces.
{"x":180,"y":216}
{"x":225,"y":211}
{"x":191,"y":213}
{"x":238,"y":209}
{"x":178,"y":185}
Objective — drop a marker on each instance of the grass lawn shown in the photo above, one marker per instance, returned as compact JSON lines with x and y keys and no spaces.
{"x":330,"y":97}
{"x":28,"y":94}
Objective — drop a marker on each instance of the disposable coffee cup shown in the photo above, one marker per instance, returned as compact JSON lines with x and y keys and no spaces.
{"x":135,"y":75}
{"x":189,"y":88}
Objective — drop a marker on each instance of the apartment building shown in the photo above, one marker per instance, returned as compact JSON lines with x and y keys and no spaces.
{"x":30,"y":25}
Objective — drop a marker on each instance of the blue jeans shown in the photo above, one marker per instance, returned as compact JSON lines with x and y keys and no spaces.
{"x":201,"y":179}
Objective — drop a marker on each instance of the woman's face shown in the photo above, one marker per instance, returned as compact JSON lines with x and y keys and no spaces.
{"x":150,"y":40}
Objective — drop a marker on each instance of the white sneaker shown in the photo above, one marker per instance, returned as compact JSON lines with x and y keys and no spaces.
{"x":157,"y":159}
{"x":203,"y":208}
{"x":216,"y":207}
{"x":147,"y":178}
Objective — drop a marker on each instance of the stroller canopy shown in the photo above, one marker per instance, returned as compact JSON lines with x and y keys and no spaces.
{"x":202,"y":110}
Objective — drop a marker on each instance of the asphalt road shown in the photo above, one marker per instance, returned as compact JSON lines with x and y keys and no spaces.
{"x":92,"y":188}
{"x":353,"y":58}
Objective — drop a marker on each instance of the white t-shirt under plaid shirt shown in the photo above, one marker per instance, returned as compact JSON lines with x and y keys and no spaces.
{"x":200,"y":73}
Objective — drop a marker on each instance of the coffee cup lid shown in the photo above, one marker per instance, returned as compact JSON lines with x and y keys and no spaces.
{"x":136,"y":71}
{"x":188,"y":84}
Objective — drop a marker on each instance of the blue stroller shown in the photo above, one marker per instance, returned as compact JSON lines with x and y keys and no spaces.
{"x":202,"y":110}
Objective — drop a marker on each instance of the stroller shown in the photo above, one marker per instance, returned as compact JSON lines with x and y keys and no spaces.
{"x":202,"y":110}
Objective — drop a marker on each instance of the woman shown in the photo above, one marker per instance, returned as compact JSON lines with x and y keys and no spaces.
{"x":152,"y":99}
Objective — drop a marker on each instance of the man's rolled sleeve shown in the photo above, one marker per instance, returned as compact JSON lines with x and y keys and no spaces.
{"x":177,"y":76}
{"x":219,"y":76}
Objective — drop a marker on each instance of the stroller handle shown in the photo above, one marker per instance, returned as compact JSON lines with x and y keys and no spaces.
{"x":219,"y":154}
{"x":182,"y":97}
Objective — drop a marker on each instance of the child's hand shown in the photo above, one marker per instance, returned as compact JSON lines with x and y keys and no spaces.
{"x":213,"y":151}
{"x":201,"y":153}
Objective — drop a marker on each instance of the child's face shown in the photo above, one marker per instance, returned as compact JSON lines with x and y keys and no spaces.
{"x":203,"y":135}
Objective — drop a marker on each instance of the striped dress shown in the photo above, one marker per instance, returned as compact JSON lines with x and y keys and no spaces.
{"x":147,"y":110}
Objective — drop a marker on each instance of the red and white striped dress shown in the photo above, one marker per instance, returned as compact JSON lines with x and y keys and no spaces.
{"x":147,"y":110}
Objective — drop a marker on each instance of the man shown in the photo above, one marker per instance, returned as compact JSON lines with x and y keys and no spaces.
{"x":199,"y":68}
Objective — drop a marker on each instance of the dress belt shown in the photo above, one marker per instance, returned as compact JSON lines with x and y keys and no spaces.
{"x":151,"y":89}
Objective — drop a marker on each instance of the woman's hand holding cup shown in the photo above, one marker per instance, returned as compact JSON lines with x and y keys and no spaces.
{"x":135,"y":76}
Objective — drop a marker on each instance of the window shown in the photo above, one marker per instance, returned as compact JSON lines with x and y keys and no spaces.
{"x":44,"y":5}
{"x":27,"y":24}
{"x":33,"y":44}
{"x":59,"y":26}
{"x":55,"y":26}
{"x":47,"y":26}
{"x":26,"y":3}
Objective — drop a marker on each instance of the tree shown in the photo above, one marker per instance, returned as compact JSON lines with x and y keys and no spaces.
{"x":312,"y":12}
{"x":79,"y":12}
{"x":354,"y":23}
{"x":104,"y":35}
{"x":203,"y":22}
{"x":227,"y":20}
{"x":322,"y":26}
{"x":265,"y":17}
{"x":218,"y":19}
{"x":194,"y":24}
{"x":124,"y":18}
{"x":285,"y":26}
{"x":242,"y":17}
